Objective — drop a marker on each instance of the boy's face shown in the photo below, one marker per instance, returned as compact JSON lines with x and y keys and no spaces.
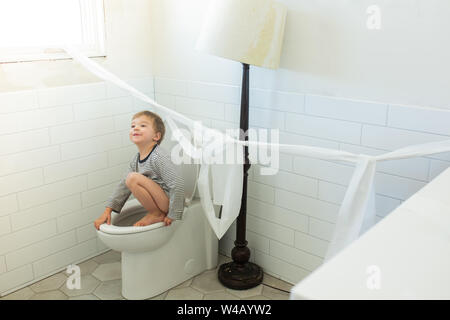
{"x":142,"y":131}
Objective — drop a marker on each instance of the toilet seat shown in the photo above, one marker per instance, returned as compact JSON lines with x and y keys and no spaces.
{"x":112,"y":229}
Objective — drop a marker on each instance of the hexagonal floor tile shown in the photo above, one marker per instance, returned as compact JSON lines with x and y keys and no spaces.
{"x":88,"y":284}
{"x":185,"y":284}
{"x":244,"y":294}
{"x":161,"y":296}
{"x":88,"y":267}
{"x":85,"y":297}
{"x":22,"y":294}
{"x":108,"y":257}
{"x":223,"y":295}
{"x":108,"y":271}
{"x":207,"y":282}
{"x":257,"y":298}
{"x":109,"y":290}
{"x":49,"y":295}
{"x":48,"y":284}
{"x":184,"y":294}
{"x":274,"y":294}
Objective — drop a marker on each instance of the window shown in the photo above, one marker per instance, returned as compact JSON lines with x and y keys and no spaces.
{"x":36,"y":30}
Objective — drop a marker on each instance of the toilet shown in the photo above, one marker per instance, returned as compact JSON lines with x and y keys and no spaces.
{"x":156,"y":258}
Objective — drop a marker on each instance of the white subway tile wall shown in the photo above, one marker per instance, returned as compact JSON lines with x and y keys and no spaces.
{"x":18,"y":101}
{"x":77,"y":138}
{"x":62,"y":152}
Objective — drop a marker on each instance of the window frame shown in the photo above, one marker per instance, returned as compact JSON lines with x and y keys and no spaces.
{"x":93,"y":33}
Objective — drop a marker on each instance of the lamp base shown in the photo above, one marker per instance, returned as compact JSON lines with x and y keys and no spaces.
{"x":240,"y":276}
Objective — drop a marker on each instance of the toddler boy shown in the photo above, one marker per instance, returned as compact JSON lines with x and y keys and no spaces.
{"x":151,"y":177}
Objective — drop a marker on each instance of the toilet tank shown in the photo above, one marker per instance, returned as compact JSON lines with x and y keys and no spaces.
{"x":188,"y":171}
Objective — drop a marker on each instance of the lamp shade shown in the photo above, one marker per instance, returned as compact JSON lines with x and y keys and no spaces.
{"x":248,"y":31}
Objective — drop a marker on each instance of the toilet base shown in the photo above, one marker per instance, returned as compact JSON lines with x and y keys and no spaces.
{"x":146,"y":275}
{"x":187,"y":254}
{"x":155,"y":261}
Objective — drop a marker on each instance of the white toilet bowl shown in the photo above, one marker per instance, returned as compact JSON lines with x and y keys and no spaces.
{"x":156,"y":258}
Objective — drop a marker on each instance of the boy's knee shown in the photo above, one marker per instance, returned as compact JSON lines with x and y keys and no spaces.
{"x":131,"y":178}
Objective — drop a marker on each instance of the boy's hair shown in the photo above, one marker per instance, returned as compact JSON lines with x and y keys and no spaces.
{"x":158,"y":123}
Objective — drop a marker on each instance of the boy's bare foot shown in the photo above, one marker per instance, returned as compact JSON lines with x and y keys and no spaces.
{"x":150,"y":218}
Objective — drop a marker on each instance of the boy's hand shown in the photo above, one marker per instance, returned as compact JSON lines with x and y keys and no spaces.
{"x":167,"y":221}
{"x":105,"y":217}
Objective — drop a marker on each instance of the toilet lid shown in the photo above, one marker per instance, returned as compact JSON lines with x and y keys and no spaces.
{"x":112,"y":229}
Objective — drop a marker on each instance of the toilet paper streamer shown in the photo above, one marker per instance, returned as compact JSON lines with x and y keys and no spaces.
{"x":356,"y":214}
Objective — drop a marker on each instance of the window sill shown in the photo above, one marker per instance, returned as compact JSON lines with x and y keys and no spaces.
{"x":45,"y":55}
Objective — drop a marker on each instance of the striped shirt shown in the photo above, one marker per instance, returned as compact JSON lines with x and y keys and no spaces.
{"x":159,"y":167}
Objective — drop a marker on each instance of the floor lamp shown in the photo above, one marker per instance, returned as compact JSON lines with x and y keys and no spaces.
{"x":250,"y":32}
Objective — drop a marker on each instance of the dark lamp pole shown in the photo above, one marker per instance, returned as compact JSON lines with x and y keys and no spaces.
{"x":240,"y":274}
